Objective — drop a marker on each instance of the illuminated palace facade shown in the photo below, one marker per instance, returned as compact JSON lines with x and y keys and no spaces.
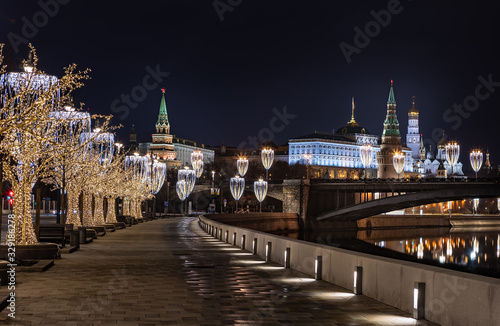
{"x":337,"y":154}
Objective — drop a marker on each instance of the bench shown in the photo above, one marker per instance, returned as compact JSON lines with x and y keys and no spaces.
{"x":52,"y":233}
{"x":128,"y":220}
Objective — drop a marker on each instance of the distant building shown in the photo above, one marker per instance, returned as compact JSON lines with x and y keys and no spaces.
{"x":175,"y":151}
{"x":391,"y":143}
{"x":337,"y":154}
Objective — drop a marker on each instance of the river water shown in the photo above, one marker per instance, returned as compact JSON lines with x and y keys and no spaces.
{"x":472,"y":250}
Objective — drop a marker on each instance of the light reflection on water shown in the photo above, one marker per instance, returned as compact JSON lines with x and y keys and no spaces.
{"x":474,"y":250}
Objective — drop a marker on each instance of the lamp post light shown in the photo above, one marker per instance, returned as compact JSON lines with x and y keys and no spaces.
{"x":181,"y":187}
{"x":260,"y":189}
{"x":476,"y":160}
{"x":398,"y":160}
{"x":452,"y":153}
{"x":242,"y":165}
{"x":237,"y":186}
{"x":366,"y":155}
{"x":189,"y":176}
{"x":307,"y":157}
{"x":267,"y":156}
{"x":197,"y":162}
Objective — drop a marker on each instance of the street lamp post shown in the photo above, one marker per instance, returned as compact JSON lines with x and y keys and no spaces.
{"x":476,"y":160}
{"x":267,"y":156}
{"x":452,"y":153}
{"x":260,"y":189}
{"x":237,"y":186}
{"x":242,"y":165}
{"x":398,"y":160}
{"x":366,"y":155}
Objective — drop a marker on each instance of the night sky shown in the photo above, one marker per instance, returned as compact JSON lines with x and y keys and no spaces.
{"x":226,"y":76}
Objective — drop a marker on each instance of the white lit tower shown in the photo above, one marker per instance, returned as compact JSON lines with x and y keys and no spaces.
{"x":413,"y":135}
{"x":391,"y":140}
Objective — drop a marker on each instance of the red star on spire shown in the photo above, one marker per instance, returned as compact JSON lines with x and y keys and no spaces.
{"x":163,"y":90}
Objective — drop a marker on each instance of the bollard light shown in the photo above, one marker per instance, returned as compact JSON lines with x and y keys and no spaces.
{"x":227,"y":237}
{"x":243,"y":237}
{"x":287,"y":257}
{"x":419,"y":300}
{"x":318,"y":267}
{"x":234,"y":239}
{"x":358,"y":280}
{"x":254,"y":246}
{"x":269,"y":247}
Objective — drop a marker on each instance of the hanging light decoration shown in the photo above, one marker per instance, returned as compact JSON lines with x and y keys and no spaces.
{"x":237,"y":186}
{"x":182,"y":189}
{"x":189,"y":176}
{"x":157,"y":176}
{"x":452,"y":150}
{"x":366,"y":155}
{"x":197,"y":162}
{"x":267,"y":156}
{"x":398,"y":160}
{"x":476,"y":160}
{"x":260,"y":189}
{"x":242,"y":165}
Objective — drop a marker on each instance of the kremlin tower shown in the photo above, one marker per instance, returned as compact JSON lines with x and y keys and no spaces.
{"x":162,"y":145}
{"x":413,"y":135}
{"x":391,"y":140}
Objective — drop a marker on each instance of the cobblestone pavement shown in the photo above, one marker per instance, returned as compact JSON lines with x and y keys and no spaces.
{"x":170,"y":272}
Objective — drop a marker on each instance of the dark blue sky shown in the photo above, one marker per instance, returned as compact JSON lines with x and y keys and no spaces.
{"x":225,"y":77}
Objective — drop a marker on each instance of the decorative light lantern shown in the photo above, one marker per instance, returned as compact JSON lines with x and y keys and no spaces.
{"x":157,"y":176}
{"x":182,"y":189}
{"x":452,"y":153}
{"x":260,"y":189}
{"x":267,"y":156}
{"x":237,"y":186}
{"x":398,"y":160}
{"x":242,"y":165}
{"x":197,"y":162}
{"x":189,"y":176}
{"x":366,"y":155}
{"x":476,"y":160}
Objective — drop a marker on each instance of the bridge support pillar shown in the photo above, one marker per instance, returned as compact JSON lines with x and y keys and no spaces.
{"x":296,"y":197}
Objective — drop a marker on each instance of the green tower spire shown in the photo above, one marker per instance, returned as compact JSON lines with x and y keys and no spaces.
{"x":162,"y":124}
{"x":391,"y":99}
{"x":391,"y":123}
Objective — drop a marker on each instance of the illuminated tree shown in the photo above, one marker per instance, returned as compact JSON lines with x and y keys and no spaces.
{"x":28,"y":132}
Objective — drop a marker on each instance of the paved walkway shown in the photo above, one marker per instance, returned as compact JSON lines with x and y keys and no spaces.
{"x":170,"y":272}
